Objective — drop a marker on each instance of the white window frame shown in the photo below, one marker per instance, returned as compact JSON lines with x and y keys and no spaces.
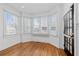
{"x":4,"y":24}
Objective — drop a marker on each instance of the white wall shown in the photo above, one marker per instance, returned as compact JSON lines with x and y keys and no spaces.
{"x":1,"y":28}
{"x":77,"y":29}
{"x":7,"y":41}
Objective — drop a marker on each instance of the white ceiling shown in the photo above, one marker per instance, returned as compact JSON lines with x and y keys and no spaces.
{"x":35,"y":8}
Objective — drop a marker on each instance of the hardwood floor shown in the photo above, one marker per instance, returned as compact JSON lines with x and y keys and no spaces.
{"x":33,"y":49}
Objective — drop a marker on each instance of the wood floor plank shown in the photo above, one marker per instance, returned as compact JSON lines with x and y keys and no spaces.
{"x":33,"y":49}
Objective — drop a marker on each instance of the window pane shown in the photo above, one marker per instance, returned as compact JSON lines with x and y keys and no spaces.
{"x":27,"y":25}
{"x":10,"y":23}
{"x":36,"y":25}
{"x":44,"y":24}
{"x":52,"y":25}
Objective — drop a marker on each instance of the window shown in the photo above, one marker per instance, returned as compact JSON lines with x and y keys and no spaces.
{"x":40,"y":25}
{"x":52,"y":25}
{"x":44,"y":25}
{"x":10,"y":22}
{"x":27,"y":25}
{"x":36,"y":25}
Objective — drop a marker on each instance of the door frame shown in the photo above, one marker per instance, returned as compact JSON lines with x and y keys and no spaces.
{"x":74,"y":20}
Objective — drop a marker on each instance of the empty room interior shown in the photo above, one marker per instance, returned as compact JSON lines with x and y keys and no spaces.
{"x":39,"y":29}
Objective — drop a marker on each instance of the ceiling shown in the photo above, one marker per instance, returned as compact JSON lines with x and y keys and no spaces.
{"x":35,"y":8}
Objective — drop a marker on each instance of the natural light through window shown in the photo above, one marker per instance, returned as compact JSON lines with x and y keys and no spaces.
{"x":10,"y":23}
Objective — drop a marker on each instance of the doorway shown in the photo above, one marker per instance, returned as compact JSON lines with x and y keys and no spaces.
{"x":69,"y":32}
